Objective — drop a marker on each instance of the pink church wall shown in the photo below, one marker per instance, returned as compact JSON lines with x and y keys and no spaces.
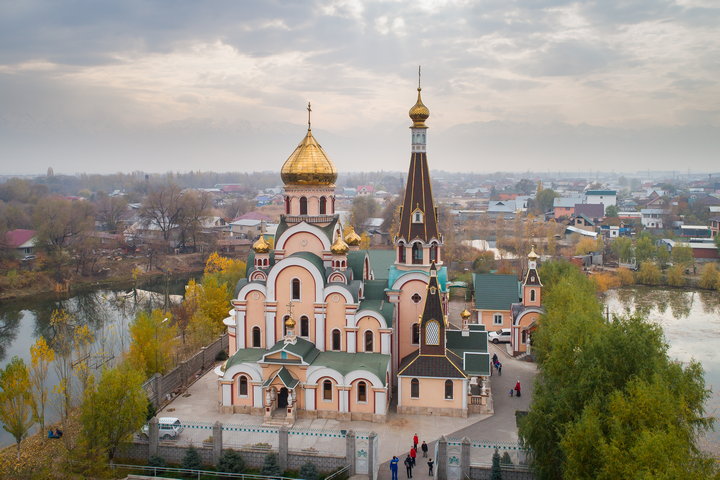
{"x":304,"y":306}
{"x":335,"y":319}
{"x":409,"y":312}
{"x":255,"y":317}
{"x":303,"y":242}
{"x":236,"y":398}
{"x":365,"y":324}
{"x":362,"y":407}
{"x":526,"y":296}
{"x":332,"y":405}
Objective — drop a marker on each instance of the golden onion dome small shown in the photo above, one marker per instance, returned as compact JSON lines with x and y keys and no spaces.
{"x":465,"y":314}
{"x":352,"y":238}
{"x":290,"y":323}
{"x":419,"y":112}
{"x":339,"y":247}
{"x":532,"y":255}
{"x":308,"y":165}
{"x":261,"y":246}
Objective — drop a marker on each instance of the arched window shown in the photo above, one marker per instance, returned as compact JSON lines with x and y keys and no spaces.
{"x":401,"y":252}
{"x":323,"y":205}
{"x":433,"y":252}
{"x":362,"y":392}
{"x":417,"y":216}
{"x":532,"y":295}
{"x":256,"y":337}
{"x":336,"y":343}
{"x":327,"y":390}
{"x":414,"y":388}
{"x":304,"y":326}
{"x":415,"y":333}
{"x":303,"y":206}
{"x":448,"y":389}
{"x":432,"y":333}
{"x":296,"y":289}
{"x":243,"y":386}
{"x":287,"y":205}
{"x":369,"y":341}
{"x":417,"y":254}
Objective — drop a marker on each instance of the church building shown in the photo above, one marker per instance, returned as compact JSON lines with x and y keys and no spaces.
{"x":314,"y":332}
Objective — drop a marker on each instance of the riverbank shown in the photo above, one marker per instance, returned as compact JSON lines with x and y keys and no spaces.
{"x":112,"y":273}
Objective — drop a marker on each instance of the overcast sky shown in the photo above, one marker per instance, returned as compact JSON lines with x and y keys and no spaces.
{"x":544,"y":85}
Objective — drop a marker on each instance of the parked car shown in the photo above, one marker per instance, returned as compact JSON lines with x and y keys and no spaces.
{"x":498,"y":336}
{"x":27,"y":258}
{"x":168,"y":427}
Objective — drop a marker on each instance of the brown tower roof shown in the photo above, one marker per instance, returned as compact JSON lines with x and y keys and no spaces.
{"x":418,"y":196}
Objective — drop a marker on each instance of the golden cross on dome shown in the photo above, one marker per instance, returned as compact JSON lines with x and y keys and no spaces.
{"x":419,"y":77}
{"x":309,"y":109}
{"x":289,"y":305}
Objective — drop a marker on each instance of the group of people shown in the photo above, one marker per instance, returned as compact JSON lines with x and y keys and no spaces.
{"x":56,"y":434}
{"x":411,"y":460}
{"x":496,"y":363}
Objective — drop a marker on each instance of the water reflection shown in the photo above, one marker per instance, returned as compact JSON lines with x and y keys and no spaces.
{"x":9,"y":323}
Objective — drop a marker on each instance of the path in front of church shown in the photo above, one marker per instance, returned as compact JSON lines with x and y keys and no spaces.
{"x":499,"y":427}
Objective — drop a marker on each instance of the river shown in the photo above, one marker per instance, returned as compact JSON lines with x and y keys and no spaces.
{"x":107,"y":312}
{"x":691,"y":322}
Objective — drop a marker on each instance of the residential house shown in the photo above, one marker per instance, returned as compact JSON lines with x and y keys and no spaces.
{"x":654,"y":218}
{"x":604,"y":197}
{"x":21,"y":241}
{"x":565,"y":206}
{"x":249,"y":228}
{"x":715,"y":226}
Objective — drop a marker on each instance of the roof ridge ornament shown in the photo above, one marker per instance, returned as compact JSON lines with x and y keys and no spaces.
{"x":309,"y":109}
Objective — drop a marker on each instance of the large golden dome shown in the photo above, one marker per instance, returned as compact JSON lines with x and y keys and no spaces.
{"x":261,"y":246}
{"x":352,"y":238}
{"x":419,"y":112}
{"x":308,"y":165}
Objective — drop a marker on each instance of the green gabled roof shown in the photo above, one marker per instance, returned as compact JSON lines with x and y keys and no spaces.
{"x":476,"y":341}
{"x":345,"y":363}
{"x":383,"y":307}
{"x":251,"y":355}
{"x":476,"y":363}
{"x":380,"y":262}
{"x":495,"y":291}
{"x":302,"y":348}
{"x":314,"y":259}
{"x":375,"y":290}
{"x":285,"y":377}
{"x":356,"y":259}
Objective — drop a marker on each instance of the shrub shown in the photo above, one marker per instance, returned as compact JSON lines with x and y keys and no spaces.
{"x":156,"y":461}
{"x":676,"y":276}
{"x":192,"y":459}
{"x":221,"y":356}
{"x":309,"y":471}
{"x":506,"y":460}
{"x":231,"y":462}
{"x":605,"y":281}
{"x":496,"y":472}
{"x":709,"y":276}
{"x":649,"y":273}
{"x":625,"y":276}
{"x":270,"y":466}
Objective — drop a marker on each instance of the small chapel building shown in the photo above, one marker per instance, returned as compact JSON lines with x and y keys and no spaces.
{"x":315,"y":332}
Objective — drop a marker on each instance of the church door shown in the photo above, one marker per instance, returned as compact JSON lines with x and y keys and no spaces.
{"x":282,"y":398}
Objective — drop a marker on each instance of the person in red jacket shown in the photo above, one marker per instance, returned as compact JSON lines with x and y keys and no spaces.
{"x":517,"y":388}
{"x":413,"y":454}
{"x":415,"y":441}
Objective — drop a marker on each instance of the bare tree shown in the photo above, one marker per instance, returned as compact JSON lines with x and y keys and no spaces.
{"x":110,"y":211}
{"x":163,"y":208}
{"x":195,"y":209}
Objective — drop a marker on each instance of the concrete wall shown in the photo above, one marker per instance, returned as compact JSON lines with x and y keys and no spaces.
{"x":508,"y":473}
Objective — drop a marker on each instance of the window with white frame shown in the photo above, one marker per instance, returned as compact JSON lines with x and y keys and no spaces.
{"x":497,"y":319}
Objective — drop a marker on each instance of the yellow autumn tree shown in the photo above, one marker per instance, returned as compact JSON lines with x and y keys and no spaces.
{"x":41,"y":356}
{"x":625,"y":276}
{"x":153,"y":338}
{"x":709,"y":277}
{"x":16,"y":412}
{"x":676,"y":276}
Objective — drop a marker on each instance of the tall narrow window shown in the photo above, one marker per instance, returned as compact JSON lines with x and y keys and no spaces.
{"x":304,"y":326}
{"x":336,"y":344}
{"x":323,"y":205}
{"x":401,"y":253}
{"x":256,"y":337}
{"x":432,"y":333}
{"x":362,"y":392}
{"x":415,"y":333}
{"x":369,"y":341}
{"x":532,"y":295}
{"x":327,"y":390}
{"x":433,"y":253}
{"x":243,"y":386}
{"x":414,"y":388}
{"x":417,"y":254}
{"x":296,"y":289}
{"x":448,"y":389}
{"x":303,"y":206}
{"x":287,"y":205}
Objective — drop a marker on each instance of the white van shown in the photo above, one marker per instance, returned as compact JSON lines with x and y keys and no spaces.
{"x":168,"y":427}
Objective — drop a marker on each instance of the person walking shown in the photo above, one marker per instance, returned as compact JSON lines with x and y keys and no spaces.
{"x":408,"y":466}
{"x":495,"y":359}
{"x":415,"y":441}
{"x":430,"y":467}
{"x":394,"y":467}
{"x":424,"y":448}
{"x":499,"y":368}
{"x":413,"y":454}
{"x":517,"y":388}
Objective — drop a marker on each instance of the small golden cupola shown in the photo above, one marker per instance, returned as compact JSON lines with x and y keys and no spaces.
{"x":308,"y":164}
{"x":261,"y":246}
{"x":353,"y":239}
{"x":419,"y":112}
{"x":339,"y":247}
{"x":465,"y":314}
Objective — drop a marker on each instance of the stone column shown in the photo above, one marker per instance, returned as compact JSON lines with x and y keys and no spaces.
{"x":320,"y":331}
{"x":385,"y":341}
{"x":283,"y":447}
{"x":372,"y":438}
{"x":153,"y":436}
{"x":217,"y":442}
{"x":441,"y":460}
{"x":350,"y":451}
{"x":270,"y":329}
{"x":465,"y":457}
{"x":240,"y":340}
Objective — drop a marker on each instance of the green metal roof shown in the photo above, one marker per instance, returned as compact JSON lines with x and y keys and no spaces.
{"x":381,"y":261}
{"x":285,"y":377}
{"x":301,"y":348}
{"x":356,"y":259}
{"x":374,"y":290}
{"x":395,"y":273}
{"x":312,"y":258}
{"x":476,"y":363}
{"x":383,"y":307}
{"x":345,"y":363}
{"x":495,"y":292}
{"x":245,"y":355}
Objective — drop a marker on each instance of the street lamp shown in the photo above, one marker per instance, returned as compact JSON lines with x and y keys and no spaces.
{"x":157,"y":346}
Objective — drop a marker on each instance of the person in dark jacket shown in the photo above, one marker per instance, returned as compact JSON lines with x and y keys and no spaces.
{"x":430,"y":467}
{"x":424,"y":448}
{"x":408,"y":466}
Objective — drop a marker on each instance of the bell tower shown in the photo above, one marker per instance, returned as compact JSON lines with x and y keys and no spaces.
{"x":532,"y":288}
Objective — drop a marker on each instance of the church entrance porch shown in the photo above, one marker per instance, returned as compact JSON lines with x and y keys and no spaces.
{"x":282,"y":398}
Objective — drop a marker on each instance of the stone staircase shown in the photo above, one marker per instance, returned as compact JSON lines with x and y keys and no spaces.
{"x":279,"y":419}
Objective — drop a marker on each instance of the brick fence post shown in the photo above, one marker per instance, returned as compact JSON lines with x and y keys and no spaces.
{"x":441,"y":460}
{"x":372,"y":438}
{"x":350,"y":451}
{"x":202,"y":352}
{"x":153,"y":437}
{"x":217,"y":442}
{"x":283,"y":447}
{"x":465,"y":457}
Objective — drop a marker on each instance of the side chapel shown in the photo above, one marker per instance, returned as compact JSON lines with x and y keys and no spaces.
{"x":314,"y":333}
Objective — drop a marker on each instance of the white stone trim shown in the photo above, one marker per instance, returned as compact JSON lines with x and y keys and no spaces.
{"x":251,"y":287}
{"x":330,"y":289}
{"x":369,"y":313}
{"x":403,"y":279}
{"x":299,"y":228}
{"x":364,"y":375}
{"x":300,"y":262}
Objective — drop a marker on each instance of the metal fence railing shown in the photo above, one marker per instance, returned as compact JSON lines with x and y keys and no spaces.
{"x":188,"y":472}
